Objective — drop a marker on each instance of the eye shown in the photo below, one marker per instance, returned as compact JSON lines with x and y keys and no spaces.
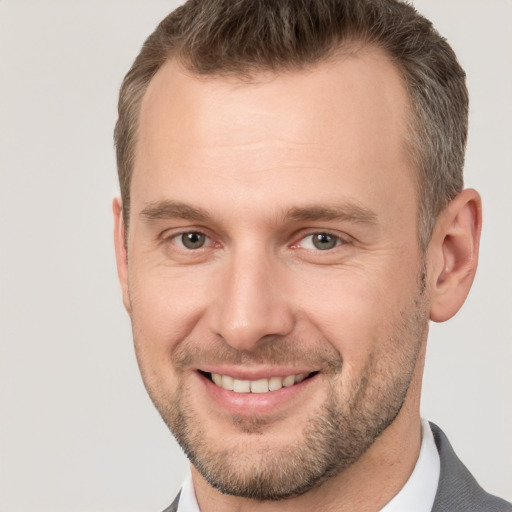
{"x":320,"y":241}
{"x":191,"y":240}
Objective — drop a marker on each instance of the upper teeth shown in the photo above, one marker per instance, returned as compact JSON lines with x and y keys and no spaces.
{"x":256,"y":386}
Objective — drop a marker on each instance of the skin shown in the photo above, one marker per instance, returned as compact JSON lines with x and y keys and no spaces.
{"x":261,"y":161}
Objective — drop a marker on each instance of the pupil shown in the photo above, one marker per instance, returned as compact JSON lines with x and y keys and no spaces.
{"x":324,"y":241}
{"x":193,"y":240}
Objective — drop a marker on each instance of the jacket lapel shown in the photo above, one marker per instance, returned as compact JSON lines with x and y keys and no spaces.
{"x":173,"y":507}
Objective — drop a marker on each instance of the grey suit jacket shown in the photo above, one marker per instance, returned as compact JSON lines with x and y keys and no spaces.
{"x":457,"y":491}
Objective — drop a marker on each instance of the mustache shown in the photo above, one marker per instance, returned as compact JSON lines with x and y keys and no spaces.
{"x":275,"y":351}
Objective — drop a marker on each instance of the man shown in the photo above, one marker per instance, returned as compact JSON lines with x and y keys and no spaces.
{"x":292,"y":216}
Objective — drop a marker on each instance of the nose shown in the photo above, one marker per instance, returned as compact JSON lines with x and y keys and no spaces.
{"x":252,"y":304}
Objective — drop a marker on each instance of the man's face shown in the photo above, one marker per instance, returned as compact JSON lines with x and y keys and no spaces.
{"x":273,"y":248}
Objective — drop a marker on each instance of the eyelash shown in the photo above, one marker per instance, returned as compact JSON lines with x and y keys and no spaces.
{"x":177,"y":239}
{"x":336,"y":238}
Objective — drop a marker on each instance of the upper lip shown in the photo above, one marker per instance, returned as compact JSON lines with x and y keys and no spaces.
{"x":256,"y":373}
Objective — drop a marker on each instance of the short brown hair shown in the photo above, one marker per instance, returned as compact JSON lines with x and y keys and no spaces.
{"x":240,"y":37}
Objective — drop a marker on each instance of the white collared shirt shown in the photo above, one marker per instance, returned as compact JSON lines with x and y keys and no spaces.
{"x":188,"y":502}
{"x":417,"y":494}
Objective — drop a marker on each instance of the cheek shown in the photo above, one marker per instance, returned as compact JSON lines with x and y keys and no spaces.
{"x":356,"y":310}
{"x":165,"y":308}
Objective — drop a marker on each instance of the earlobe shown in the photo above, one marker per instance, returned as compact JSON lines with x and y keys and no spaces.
{"x":121,"y":250}
{"x":453,"y":253}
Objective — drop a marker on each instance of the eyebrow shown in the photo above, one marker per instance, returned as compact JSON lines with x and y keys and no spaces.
{"x":347,"y":212}
{"x":164,"y":210}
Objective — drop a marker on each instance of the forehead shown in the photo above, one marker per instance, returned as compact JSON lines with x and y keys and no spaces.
{"x":354,"y":84}
{"x":336,"y":125}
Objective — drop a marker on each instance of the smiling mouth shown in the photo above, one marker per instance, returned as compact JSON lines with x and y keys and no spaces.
{"x":256,"y":386}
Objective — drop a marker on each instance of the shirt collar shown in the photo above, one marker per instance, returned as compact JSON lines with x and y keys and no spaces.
{"x":420,"y":490}
{"x":188,"y":502}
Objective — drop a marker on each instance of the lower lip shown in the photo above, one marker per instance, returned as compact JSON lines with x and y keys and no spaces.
{"x":260,"y":404}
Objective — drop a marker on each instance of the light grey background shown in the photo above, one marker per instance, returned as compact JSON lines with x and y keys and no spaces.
{"x":77,"y":431}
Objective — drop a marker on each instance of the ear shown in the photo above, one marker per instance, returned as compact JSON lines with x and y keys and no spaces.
{"x":453,"y":254}
{"x":121,"y":251}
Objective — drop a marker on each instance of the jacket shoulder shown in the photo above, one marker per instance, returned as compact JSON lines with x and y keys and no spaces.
{"x":458,"y":491}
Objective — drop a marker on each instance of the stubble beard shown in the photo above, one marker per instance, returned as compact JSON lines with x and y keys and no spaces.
{"x":331,"y":441}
